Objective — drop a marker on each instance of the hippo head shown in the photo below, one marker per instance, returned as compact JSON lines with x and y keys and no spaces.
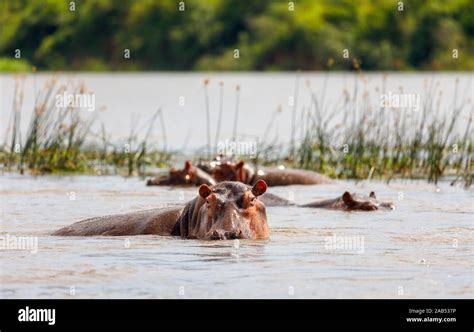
{"x":370,"y":203}
{"x":182,"y":176}
{"x":231,"y":171}
{"x":227,"y":210}
{"x":188,"y":175}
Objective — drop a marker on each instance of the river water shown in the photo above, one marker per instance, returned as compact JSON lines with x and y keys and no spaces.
{"x":423,"y":249}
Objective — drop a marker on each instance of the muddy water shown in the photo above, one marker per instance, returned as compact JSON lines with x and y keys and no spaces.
{"x":422,"y":249}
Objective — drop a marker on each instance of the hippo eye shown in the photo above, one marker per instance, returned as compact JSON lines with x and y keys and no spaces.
{"x":240,"y":202}
{"x":252,"y":201}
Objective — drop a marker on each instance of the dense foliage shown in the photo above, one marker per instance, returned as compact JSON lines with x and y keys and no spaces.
{"x":267,"y":34}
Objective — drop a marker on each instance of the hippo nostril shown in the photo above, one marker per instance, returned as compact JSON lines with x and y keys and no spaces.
{"x":238,"y":235}
{"x":235,"y":235}
{"x":215,"y":235}
{"x":231,"y":236}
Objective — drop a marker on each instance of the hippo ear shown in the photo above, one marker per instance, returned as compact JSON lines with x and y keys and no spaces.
{"x":204,"y":190}
{"x":372,"y":194}
{"x":259,"y":188}
{"x":187,"y":165}
{"x":240,"y":164}
{"x":348,"y":199}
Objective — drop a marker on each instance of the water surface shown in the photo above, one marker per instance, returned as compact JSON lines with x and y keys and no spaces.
{"x":423,"y":249}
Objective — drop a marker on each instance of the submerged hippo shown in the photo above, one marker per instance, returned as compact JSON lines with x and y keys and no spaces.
{"x":346,"y":202}
{"x":273,"y":176}
{"x":227,"y":210}
{"x":189,"y":175}
{"x":208,"y":166}
{"x":353,"y":201}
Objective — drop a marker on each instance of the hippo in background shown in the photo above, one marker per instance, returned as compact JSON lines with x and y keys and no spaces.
{"x":350,"y":202}
{"x":227,"y":210}
{"x":345,"y":202}
{"x":208,"y":166}
{"x":223,"y":168}
{"x":188,"y":176}
{"x":273,"y":176}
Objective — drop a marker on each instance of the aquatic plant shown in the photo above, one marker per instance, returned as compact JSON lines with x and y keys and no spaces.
{"x":59,"y":138}
{"x":352,"y":138}
{"x":371,"y":141}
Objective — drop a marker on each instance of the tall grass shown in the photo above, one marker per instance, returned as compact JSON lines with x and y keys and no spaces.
{"x":294,"y":110}
{"x":355,"y":138}
{"x":371,"y":141}
{"x":219,"y":116}
{"x":60,"y":139}
{"x":236,"y":113}
{"x":352,"y":138}
{"x":208,"y":119}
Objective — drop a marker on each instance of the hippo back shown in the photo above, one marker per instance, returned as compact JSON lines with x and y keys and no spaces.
{"x":154,"y":221}
{"x":289,"y":176}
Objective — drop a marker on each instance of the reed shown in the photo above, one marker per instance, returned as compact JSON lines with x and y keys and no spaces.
{"x":376,"y":142}
{"x":236,"y":113}
{"x":60,"y":139}
{"x":219,"y":116}
{"x":208,"y":119}
{"x":294,"y":109}
{"x":351,"y":139}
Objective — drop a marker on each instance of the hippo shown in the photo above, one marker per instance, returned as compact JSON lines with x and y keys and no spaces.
{"x":208,"y":166}
{"x":188,"y":176}
{"x":273,"y":176}
{"x":351,"y":202}
{"x":227,"y":210}
{"x":346,"y":202}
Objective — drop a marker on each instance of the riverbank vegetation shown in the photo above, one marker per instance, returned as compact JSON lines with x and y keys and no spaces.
{"x":370,"y":141}
{"x":351,"y":139}
{"x":60,"y":139}
{"x":95,"y":35}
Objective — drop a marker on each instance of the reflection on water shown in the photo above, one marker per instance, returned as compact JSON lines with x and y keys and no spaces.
{"x":422,"y":249}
